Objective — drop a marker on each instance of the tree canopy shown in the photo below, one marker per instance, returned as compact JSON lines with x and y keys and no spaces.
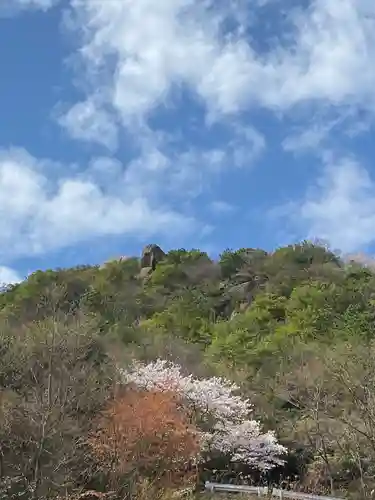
{"x":293,"y":329}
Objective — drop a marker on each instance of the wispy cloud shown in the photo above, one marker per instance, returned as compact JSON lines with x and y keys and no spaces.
{"x":89,"y":122}
{"x":138,"y":57}
{"x":339,"y":208}
{"x":144,"y":50}
{"x":312,"y":137}
{"x":51,"y":206}
{"x":12,"y":7}
{"x":157,"y":45}
{"x":8,"y":276}
{"x":40,"y":213}
{"x":178,"y":173}
{"x":221,"y":207}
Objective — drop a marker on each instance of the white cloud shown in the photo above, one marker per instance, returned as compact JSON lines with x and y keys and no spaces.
{"x":312,"y":137}
{"x":88,"y":122}
{"x":11,"y":7}
{"x":317,"y":133}
{"x":340,"y":208}
{"x":182,"y":175}
{"x":160,"y":45}
{"x":157,"y":45}
{"x":41,"y":213}
{"x":8,"y":276}
{"x":47,"y":206}
{"x":136,"y":55}
{"x":221,"y":207}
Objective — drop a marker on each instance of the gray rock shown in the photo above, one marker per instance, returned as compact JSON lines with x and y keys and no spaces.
{"x":151,"y":255}
{"x":145,"y":272}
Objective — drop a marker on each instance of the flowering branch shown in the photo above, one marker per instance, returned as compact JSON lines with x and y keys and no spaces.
{"x":216,"y":405}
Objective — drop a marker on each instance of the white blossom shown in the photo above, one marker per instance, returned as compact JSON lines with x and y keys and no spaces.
{"x":231,"y":432}
{"x":214,"y":395}
{"x":245,"y":443}
{"x":155,"y":376}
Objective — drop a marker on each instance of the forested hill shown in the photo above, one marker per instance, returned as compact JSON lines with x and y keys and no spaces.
{"x":294,"y":328}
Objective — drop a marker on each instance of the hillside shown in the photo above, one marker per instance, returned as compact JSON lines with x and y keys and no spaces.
{"x":293,"y":328}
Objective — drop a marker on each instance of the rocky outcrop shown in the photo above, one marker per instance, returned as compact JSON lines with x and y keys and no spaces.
{"x":145,"y":272}
{"x":151,"y":255}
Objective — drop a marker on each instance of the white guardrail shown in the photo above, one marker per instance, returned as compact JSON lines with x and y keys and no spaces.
{"x":234,"y":488}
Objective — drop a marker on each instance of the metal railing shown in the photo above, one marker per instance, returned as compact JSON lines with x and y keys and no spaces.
{"x":260,"y":491}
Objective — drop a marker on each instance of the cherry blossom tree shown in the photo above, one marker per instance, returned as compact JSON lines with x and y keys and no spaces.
{"x":217,"y":409}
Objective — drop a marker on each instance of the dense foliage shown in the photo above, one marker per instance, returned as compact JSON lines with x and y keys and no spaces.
{"x":294,"y":328}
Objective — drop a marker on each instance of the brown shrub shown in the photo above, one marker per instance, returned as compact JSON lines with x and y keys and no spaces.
{"x":146,"y":435}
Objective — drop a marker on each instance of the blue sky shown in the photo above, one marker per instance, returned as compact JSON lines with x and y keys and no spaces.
{"x":188,"y":123}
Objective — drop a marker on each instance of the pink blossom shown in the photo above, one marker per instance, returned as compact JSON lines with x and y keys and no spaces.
{"x":214,"y":399}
